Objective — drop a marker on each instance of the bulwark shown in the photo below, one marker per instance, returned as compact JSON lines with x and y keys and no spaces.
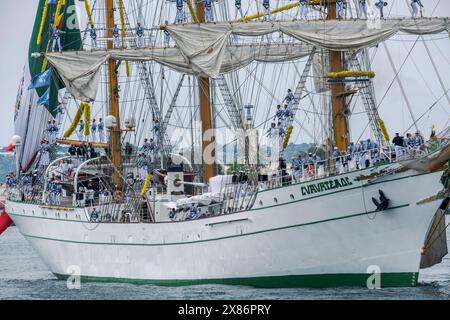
{"x":326,"y":185}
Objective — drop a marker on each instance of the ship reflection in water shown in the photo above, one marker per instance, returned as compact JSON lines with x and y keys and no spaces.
{"x":24,"y":276}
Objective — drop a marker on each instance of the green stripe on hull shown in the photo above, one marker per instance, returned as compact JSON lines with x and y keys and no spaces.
{"x":403,"y":279}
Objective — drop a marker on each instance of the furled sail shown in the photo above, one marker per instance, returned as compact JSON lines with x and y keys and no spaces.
{"x":80,"y":71}
{"x":203,"y":49}
{"x":38,"y":97}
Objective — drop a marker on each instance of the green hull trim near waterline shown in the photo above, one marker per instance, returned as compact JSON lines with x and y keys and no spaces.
{"x":401,"y":279}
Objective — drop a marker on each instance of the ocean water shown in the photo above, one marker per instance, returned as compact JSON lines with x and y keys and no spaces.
{"x":24,"y":276}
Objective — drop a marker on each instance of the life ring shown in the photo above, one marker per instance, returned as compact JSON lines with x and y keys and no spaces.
{"x":117,"y":195}
{"x":310,"y":170}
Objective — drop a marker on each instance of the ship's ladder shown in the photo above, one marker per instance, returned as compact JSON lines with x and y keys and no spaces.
{"x":301,"y":85}
{"x":233,"y":110}
{"x":368,"y":98}
{"x":150,"y":96}
{"x":169,"y":112}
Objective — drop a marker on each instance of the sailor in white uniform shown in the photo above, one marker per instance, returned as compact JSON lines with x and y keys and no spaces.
{"x":281,"y":134}
{"x":338,"y":159}
{"x":45,"y":154}
{"x":56,"y":38}
{"x":289,"y":99}
{"x":266,"y":5}
{"x":156,"y":130}
{"x":47,"y":130}
{"x":101,"y":128}
{"x":380,"y":5}
{"x":297,"y":168}
{"x":116,"y":37}
{"x":279,"y":114}
{"x":59,"y":115}
{"x":80,"y":131}
{"x":303,"y":9}
{"x":54,"y":132}
{"x":148,"y":148}
{"x":238,"y":5}
{"x":93,"y":130}
{"x":142,"y":167}
{"x":288,"y":116}
{"x":208,"y":10}
{"x":93,"y":34}
{"x":273,"y":135}
{"x":415,"y":4}
{"x":340,"y":9}
{"x":166,"y":36}
{"x":179,"y":17}
{"x":362,"y":9}
{"x":139,"y":35}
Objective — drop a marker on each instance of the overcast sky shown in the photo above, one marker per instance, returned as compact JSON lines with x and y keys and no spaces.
{"x":421,"y":85}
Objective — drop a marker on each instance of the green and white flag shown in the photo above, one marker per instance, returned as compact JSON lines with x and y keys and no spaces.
{"x":31,"y":117}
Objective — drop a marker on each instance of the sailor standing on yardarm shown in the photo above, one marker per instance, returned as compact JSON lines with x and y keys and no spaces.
{"x":116,"y":37}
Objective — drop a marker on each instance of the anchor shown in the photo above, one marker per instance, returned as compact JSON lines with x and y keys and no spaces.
{"x":383,"y":204}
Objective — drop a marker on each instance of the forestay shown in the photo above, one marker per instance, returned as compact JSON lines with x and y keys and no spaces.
{"x":203,"y":49}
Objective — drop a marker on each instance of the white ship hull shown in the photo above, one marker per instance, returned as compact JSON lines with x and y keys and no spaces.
{"x":324,"y":238}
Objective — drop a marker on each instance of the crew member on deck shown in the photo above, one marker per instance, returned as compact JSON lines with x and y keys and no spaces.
{"x":398,"y":145}
{"x":337,"y":157}
{"x":266,"y":5}
{"x":59,"y":115}
{"x":54,"y":132}
{"x":415,"y":4}
{"x":297,"y":168}
{"x":418,"y":140}
{"x":101,"y":128}
{"x":45,"y":154}
{"x":93,"y":130}
{"x":141,"y":164}
{"x":80,"y":130}
{"x":116,"y":37}
{"x":238,"y":5}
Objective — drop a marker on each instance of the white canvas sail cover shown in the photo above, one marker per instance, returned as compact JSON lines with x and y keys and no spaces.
{"x":202,"y":49}
{"x":80,"y":70}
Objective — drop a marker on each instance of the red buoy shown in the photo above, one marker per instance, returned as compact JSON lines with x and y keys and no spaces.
{"x":5,"y":221}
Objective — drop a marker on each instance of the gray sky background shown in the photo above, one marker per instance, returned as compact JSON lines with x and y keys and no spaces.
{"x":17,"y":19}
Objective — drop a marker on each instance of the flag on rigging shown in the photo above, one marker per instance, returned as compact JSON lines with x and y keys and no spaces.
{"x":30,"y":119}
{"x":44,"y":100}
{"x":41,"y":80}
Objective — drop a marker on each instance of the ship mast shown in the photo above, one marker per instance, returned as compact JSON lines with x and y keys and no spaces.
{"x":113,"y":94}
{"x":340,"y":122}
{"x":205,"y":108}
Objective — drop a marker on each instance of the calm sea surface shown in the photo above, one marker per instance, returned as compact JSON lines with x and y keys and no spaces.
{"x":24,"y":276}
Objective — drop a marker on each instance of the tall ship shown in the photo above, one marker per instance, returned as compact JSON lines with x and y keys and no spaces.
{"x":154,"y":143}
